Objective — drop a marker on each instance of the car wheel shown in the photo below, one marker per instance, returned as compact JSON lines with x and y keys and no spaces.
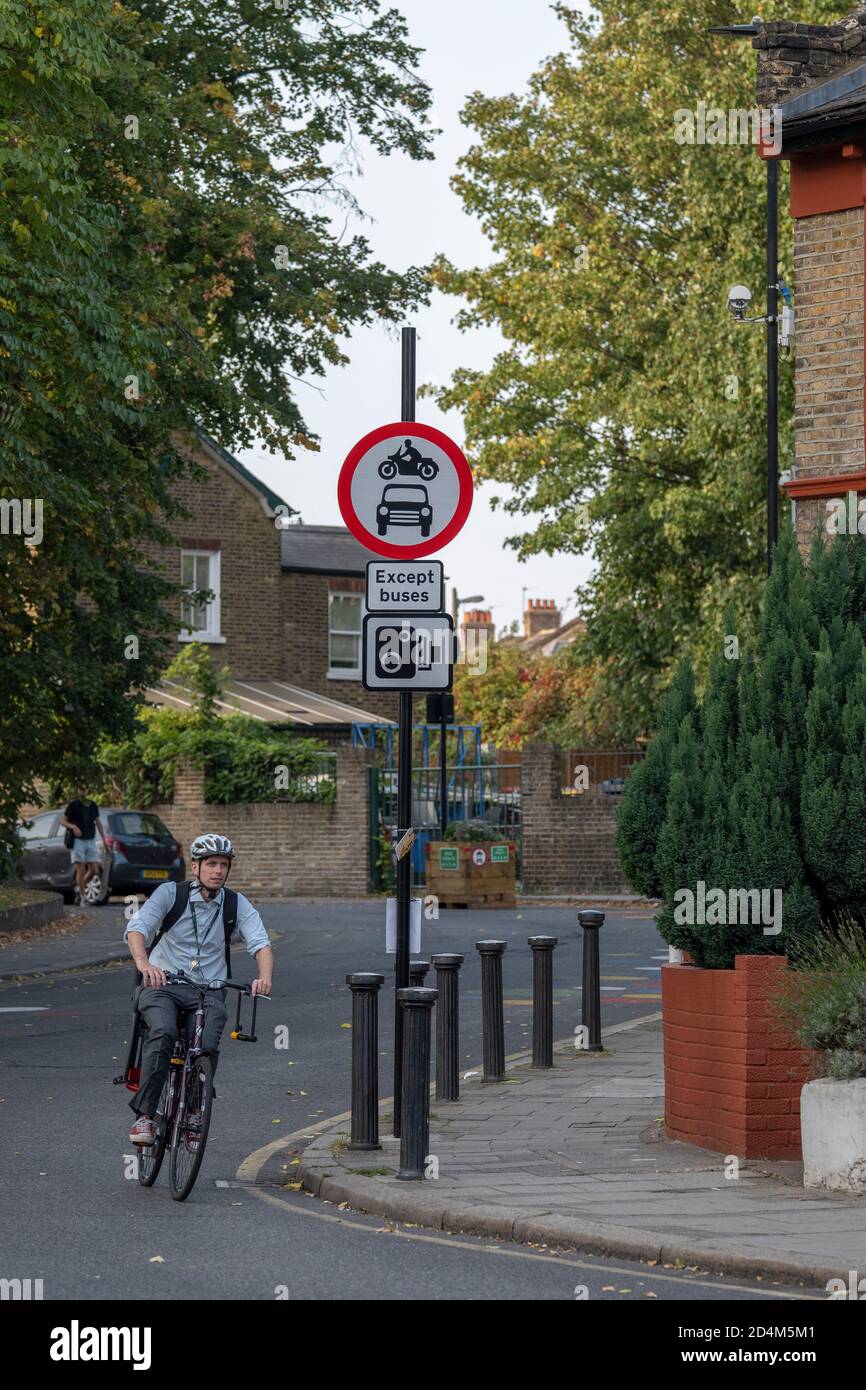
{"x":98,"y":890}
{"x":425,"y":530}
{"x":382,"y":527}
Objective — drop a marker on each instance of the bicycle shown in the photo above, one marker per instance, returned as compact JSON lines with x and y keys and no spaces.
{"x":186,"y":1103}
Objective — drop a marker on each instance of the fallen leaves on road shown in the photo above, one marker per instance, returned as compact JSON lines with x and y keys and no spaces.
{"x":345,"y":1025}
{"x":292,"y":1186}
{"x":156,"y":1260}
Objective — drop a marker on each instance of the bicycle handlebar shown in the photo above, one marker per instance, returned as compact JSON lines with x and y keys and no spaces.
{"x":180,"y":978}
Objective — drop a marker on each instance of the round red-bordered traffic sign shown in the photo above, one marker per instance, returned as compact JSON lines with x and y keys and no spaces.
{"x":410,"y":497}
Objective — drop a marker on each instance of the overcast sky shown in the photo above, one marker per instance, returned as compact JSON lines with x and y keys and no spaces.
{"x":492,"y":46}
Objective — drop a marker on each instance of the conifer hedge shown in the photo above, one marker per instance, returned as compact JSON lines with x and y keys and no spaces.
{"x":761,"y":784}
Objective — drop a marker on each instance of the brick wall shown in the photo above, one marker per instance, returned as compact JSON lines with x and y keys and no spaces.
{"x":222,"y":509}
{"x":568,"y":841}
{"x":733,"y":1075}
{"x":304,"y":599}
{"x":285,"y":849}
{"x":828,"y":276}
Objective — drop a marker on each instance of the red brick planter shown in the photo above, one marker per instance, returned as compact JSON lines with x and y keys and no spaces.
{"x":733,"y":1075}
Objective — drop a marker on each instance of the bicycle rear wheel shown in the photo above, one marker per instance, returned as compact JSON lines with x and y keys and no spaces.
{"x":150,"y":1156}
{"x":188,"y":1140}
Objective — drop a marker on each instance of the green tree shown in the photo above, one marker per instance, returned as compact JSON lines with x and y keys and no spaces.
{"x":681,"y":850}
{"x":644,"y":806}
{"x":833,"y":793}
{"x":166,"y":263}
{"x":626,"y":413}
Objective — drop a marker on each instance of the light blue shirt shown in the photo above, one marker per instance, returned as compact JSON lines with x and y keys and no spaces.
{"x":177,"y":948}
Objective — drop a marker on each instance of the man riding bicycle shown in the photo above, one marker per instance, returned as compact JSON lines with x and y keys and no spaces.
{"x":186,"y":927}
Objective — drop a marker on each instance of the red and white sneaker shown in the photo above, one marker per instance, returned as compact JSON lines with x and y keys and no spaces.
{"x":143,"y":1132}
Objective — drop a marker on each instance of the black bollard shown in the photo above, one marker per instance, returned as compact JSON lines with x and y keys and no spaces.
{"x":542,"y":999}
{"x":591,"y":921}
{"x":418,"y":973}
{"x":365,"y":1060}
{"x":492,"y":1020}
{"x":416,"y":1006}
{"x":447,"y":1027}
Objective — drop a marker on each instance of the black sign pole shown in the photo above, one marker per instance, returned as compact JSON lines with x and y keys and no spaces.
{"x":443,"y":765}
{"x":404,"y":790}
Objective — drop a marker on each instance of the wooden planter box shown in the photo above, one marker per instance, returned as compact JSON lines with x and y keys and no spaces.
{"x":733,"y":1075}
{"x":457,"y":881}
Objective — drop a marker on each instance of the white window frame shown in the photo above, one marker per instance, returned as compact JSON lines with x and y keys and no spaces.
{"x":213,"y":632}
{"x":345,"y":673}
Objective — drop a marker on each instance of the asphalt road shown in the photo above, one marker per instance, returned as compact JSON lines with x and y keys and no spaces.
{"x":71,"y":1215}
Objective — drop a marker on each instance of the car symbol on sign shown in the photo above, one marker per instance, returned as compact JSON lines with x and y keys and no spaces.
{"x":404,"y":504}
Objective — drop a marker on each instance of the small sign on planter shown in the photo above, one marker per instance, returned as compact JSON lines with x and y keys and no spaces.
{"x":499,"y":854}
{"x":449,"y":857}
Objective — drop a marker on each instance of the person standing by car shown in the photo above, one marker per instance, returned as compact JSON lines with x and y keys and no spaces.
{"x":81,"y":817}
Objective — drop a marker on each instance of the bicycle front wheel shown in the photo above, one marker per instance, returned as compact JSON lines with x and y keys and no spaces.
{"x":191,"y":1125}
{"x":150,"y":1156}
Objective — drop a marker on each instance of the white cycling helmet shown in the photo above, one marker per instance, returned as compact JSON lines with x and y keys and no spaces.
{"x":206,"y":845}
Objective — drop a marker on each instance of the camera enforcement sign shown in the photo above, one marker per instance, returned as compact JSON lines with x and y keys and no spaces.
{"x":407,"y":652}
{"x":405,"y":490}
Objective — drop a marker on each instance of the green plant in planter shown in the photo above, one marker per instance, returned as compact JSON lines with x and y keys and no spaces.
{"x":824,"y":1002}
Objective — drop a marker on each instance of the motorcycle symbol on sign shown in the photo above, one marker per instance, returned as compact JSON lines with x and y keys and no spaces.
{"x":409,"y":463}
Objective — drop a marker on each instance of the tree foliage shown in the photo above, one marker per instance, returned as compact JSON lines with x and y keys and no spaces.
{"x":167,"y":262}
{"x":765,"y":781}
{"x":524,"y":696}
{"x":626,"y":413}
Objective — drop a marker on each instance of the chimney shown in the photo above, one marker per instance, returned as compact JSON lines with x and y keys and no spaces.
{"x":542,"y":615}
{"x":480,"y":620}
{"x":793,"y":57}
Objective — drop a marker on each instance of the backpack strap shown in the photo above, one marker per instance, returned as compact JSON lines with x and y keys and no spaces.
{"x":176,"y":911}
{"x":230,"y":921}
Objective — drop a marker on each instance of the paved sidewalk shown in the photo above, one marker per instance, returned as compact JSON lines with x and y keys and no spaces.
{"x":81,"y":937}
{"x":576,"y":1157}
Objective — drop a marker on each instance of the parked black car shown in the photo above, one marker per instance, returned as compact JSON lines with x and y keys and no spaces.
{"x":138,"y":854}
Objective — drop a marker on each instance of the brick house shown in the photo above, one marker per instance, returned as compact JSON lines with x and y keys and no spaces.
{"x":285,"y":616}
{"x":817,"y":74}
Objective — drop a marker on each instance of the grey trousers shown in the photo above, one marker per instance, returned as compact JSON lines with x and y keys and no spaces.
{"x":161,"y":1010}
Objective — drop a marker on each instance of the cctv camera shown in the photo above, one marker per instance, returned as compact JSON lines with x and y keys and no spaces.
{"x":739,"y":299}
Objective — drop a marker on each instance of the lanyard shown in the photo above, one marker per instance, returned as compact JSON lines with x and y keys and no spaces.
{"x":207,"y":929}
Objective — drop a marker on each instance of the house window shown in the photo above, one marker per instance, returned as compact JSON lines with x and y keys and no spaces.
{"x":200,"y":619}
{"x":344,"y":635}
